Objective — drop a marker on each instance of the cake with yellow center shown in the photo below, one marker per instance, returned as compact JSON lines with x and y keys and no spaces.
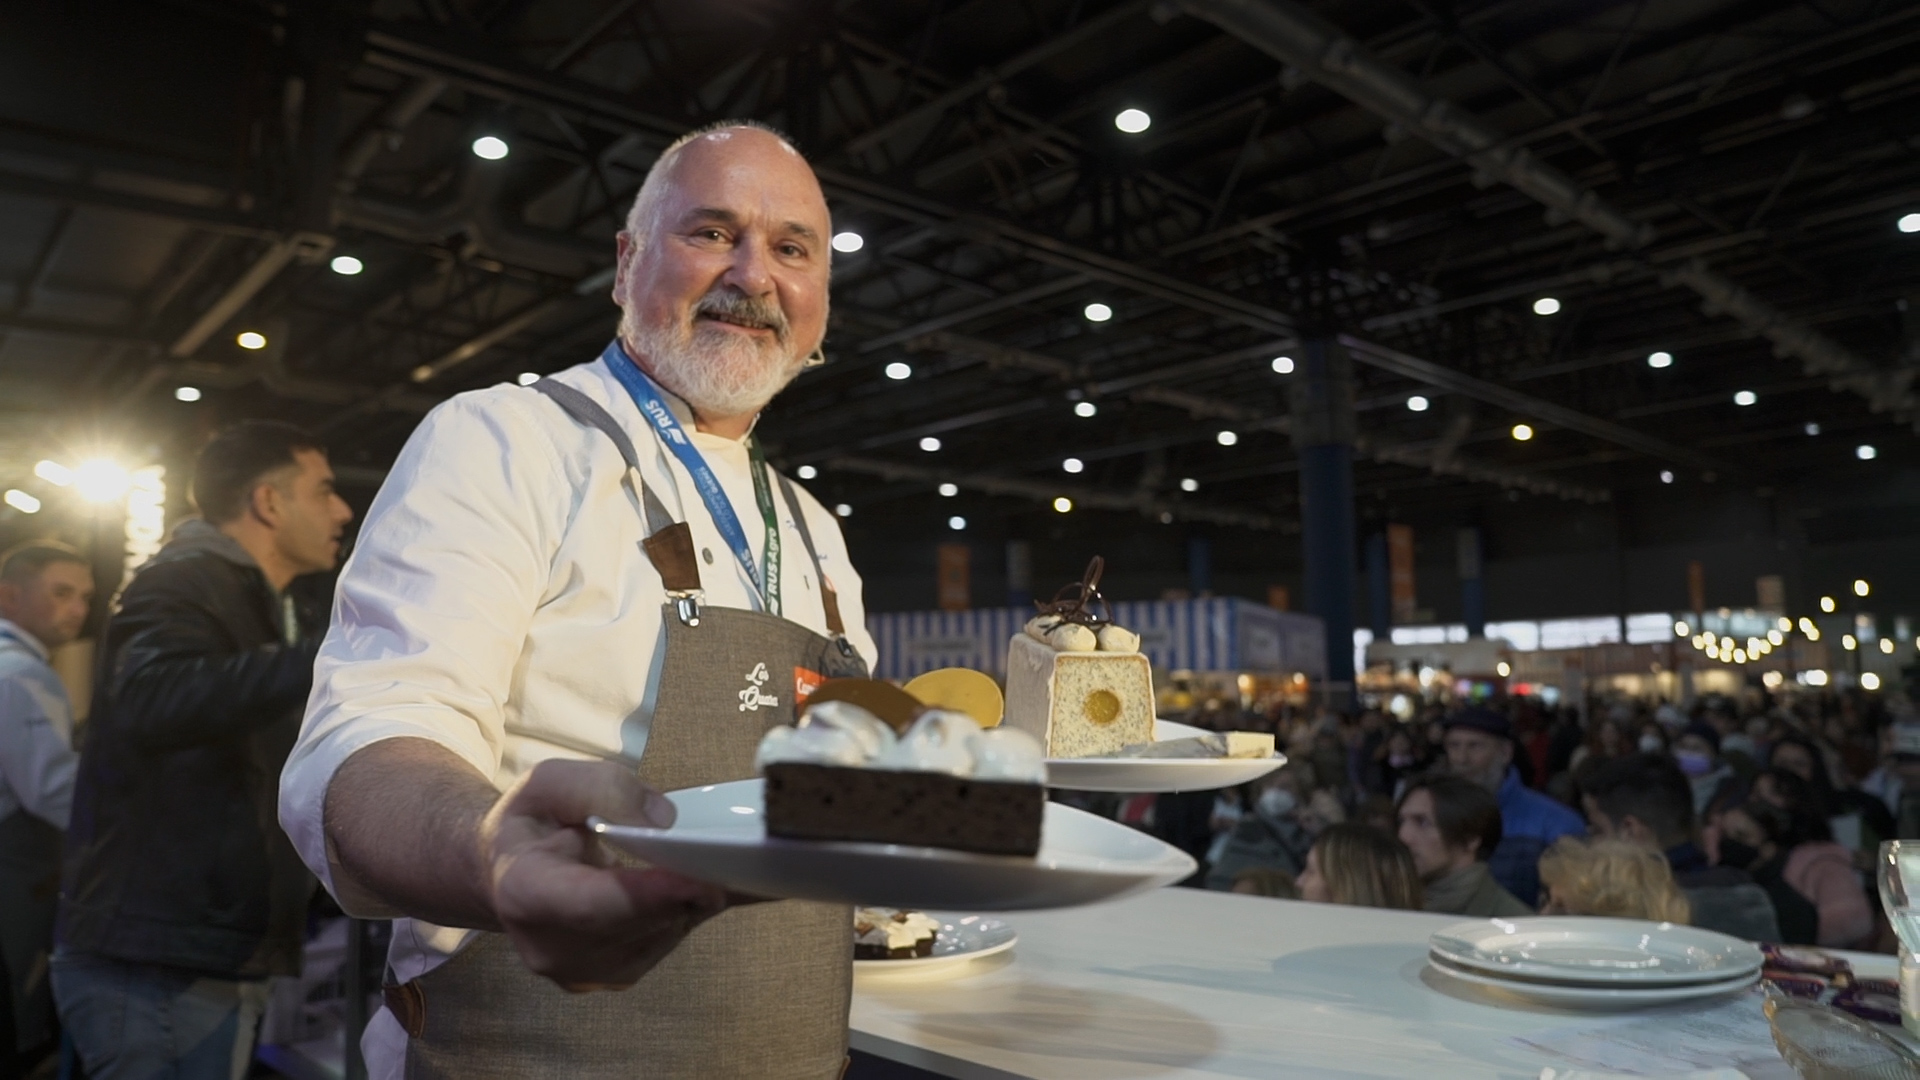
{"x":1077,"y":682}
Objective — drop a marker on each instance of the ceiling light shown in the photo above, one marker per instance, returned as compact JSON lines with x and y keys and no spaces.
{"x":1806,"y":625}
{"x":251,"y":339}
{"x":1546,"y":305}
{"x":491,"y":147}
{"x":1166,"y":517}
{"x":956,"y":523}
{"x":1909,"y":223}
{"x":929,"y":444}
{"x":1503,"y":669}
{"x":1085,"y":408}
{"x":1745,"y":397}
{"x":1189,"y":484}
{"x":1812,"y":428}
{"x":1132,"y":121}
{"x":1775,"y":637}
{"x":949,"y":490}
{"x":527,"y":378}
{"x":1827,"y":605}
{"x":843,"y":510}
{"x":1681,"y":629}
{"x":1522,"y":432}
{"x":1283,"y":365}
{"x":53,"y":473}
{"x":899,"y":370}
{"x":186,"y":393}
{"x":1418,"y":403}
{"x":22,"y":501}
{"x":1660,"y":360}
{"x":1848,"y":643}
{"x":347,"y":265}
{"x":1869,"y":681}
{"x":806,"y":472}
{"x":1097,"y":312}
{"x":1886,"y":645}
{"x":1860,"y":587}
{"x":1739,"y":656}
{"x":1062,"y":504}
{"x":101,"y":480}
{"x":848,"y":242}
{"x":1227,"y":438}
{"x":1866,"y":452}
{"x":1666,"y":476}
{"x":1074,"y":465}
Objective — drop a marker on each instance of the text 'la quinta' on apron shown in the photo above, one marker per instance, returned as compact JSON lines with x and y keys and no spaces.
{"x":755,"y":993}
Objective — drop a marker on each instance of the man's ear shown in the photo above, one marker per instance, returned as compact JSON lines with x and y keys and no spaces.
{"x":263,"y":504}
{"x":1632,"y":828}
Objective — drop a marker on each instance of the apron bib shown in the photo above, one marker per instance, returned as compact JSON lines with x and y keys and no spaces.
{"x":755,"y":993}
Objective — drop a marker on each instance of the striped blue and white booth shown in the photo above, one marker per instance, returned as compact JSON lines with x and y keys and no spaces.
{"x":1211,"y":634}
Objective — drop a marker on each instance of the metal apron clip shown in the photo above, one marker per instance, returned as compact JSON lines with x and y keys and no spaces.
{"x":686,"y":604}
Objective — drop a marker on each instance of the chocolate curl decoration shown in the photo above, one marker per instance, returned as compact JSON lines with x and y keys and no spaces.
{"x":1073,"y":603}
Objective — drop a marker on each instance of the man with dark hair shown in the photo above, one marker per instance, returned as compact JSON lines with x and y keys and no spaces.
{"x":1479,"y":747}
{"x":45,"y":588}
{"x":1645,"y":799}
{"x":1452,"y":826}
{"x":181,"y":896}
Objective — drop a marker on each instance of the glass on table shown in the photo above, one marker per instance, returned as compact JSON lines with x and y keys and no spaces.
{"x":1899,"y":879}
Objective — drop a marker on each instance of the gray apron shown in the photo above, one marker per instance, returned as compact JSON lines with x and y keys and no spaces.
{"x":755,"y":993}
{"x":29,"y":891}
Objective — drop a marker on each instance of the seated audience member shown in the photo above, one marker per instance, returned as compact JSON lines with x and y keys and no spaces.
{"x":1857,"y":819}
{"x":1450,"y":826}
{"x":1360,"y":866}
{"x":1613,"y":878}
{"x":1272,"y":836}
{"x":1266,"y":881}
{"x":1646,"y":800}
{"x":1899,"y":769}
{"x":1752,"y":833}
{"x":1697,"y":752}
{"x":1479,"y":747}
{"x":1816,"y":867}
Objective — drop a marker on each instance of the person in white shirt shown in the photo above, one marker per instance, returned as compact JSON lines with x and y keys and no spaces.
{"x":565,"y":600}
{"x":45,"y":590}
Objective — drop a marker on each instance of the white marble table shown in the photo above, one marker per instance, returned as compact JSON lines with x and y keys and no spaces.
{"x":1184,"y":983}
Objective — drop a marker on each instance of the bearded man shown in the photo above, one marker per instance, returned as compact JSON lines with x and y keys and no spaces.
{"x":555,"y":603}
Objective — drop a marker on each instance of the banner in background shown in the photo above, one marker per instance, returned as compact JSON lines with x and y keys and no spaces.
{"x":955,"y":573}
{"x":1400,"y":571}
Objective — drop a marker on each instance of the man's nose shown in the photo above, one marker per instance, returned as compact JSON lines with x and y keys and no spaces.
{"x":750,"y":272}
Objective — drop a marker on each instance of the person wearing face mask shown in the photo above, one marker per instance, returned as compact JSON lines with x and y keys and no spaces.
{"x":1816,"y":866}
{"x":1697,"y":752}
{"x":1398,"y":762}
{"x":1272,"y":836}
{"x":1750,"y":839}
{"x":1652,"y":740}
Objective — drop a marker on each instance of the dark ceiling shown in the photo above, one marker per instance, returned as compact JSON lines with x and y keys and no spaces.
{"x":1717,"y":179}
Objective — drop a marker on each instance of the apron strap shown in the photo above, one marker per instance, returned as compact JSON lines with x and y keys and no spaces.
{"x":829,"y":601}
{"x":669,"y":543}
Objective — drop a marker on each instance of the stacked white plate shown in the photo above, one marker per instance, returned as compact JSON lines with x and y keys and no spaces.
{"x":1593,"y":962}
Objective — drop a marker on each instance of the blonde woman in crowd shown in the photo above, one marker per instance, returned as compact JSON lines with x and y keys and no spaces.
{"x":1610,"y":877}
{"x":1362,"y":866}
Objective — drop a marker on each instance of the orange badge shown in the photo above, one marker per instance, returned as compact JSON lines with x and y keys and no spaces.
{"x":804,"y":684}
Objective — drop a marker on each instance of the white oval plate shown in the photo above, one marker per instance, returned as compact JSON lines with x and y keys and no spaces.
{"x":1596,"y":951}
{"x":963,"y":939}
{"x":720,"y":837}
{"x":1592,"y":997}
{"x":1144,"y":775}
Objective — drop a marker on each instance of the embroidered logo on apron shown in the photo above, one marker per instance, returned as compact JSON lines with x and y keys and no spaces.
{"x":751,"y":698}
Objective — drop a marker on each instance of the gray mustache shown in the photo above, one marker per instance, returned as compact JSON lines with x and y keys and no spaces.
{"x":740,"y":308}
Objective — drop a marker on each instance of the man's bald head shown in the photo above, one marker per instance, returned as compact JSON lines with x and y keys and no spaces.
{"x":724,"y":268}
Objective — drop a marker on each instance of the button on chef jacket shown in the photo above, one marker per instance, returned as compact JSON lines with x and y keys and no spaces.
{"x":497,"y":602}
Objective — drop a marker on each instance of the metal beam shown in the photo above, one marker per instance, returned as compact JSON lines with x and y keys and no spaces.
{"x":87,"y":195}
{"x":308,"y":246}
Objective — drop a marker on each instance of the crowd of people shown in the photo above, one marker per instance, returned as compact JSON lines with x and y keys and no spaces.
{"x":1758,"y":816}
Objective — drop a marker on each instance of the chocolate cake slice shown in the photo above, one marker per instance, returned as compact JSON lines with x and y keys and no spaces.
{"x":806,"y":801}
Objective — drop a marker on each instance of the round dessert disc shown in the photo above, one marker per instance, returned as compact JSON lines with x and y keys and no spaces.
{"x":962,"y":690}
{"x":894,"y":706}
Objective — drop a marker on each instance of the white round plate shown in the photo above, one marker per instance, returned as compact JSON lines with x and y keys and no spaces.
{"x":720,"y":837}
{"x":1591,"y":997}
{"x":1143,"y":775}
{"x":1597,"y":952}
{"x":963,"y":939}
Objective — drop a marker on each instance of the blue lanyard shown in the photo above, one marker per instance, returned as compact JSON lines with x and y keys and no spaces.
{"x":647,"y":396}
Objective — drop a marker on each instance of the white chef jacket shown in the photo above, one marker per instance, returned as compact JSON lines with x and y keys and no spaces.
{"x":37,"y":761}
{"x":497,"y":602}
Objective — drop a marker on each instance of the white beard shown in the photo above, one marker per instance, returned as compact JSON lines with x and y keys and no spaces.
{"x":717,"y":372}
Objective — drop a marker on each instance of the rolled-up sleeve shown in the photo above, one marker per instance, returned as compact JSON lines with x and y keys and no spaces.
{"x":432,"y":608}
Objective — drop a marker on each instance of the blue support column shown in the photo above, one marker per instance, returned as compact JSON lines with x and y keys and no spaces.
{"x":1200,"y":565}
{"x":1323,"y":434}
{"x":1473,"y":594}
{"x":1379,"y":588}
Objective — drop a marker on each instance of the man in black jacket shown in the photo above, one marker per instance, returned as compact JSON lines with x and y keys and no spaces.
{"x":181,"y":894}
